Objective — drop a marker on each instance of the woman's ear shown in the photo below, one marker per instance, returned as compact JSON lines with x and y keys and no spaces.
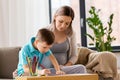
{"x":54,"y":19}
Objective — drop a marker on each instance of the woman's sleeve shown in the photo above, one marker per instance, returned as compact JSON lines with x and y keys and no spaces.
{"x":73,"y":49}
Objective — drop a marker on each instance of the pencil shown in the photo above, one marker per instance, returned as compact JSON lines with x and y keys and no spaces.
{"x":29,"y":64}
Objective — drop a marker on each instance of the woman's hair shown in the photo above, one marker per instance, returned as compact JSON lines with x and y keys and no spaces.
{"x":45,"y":35}
{"x":65,"y":11}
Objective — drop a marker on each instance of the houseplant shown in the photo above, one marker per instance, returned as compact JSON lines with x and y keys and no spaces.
{"x":102,"y":34}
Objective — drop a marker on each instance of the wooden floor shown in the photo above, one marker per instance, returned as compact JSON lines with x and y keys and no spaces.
{"x":61,"y":77}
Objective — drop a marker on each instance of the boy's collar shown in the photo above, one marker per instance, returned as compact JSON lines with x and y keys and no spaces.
{"x":32,"y":49}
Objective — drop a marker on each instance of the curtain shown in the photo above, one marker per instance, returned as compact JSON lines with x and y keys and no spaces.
{"x":20,"y":20}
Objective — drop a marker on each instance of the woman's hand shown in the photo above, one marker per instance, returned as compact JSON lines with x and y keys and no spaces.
{"x":68,"y":64}
{"x":60,"y":72}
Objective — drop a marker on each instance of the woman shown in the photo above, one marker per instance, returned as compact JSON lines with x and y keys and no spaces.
{"x":64,"y":47}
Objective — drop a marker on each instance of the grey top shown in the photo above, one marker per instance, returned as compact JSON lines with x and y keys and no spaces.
{"x":72,"y":53}
{"x":60,"y":51}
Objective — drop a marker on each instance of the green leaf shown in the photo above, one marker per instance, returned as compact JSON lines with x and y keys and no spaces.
{"x":90,"y":36}
{"x":100,"y":32}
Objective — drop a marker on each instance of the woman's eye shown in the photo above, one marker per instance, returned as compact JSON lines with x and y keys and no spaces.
{"x":61,"y":21}
{"x":44,"y":47}
{"x":67,"y":23}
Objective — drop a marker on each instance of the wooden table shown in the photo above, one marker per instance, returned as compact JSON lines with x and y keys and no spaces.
{"x":61,"y":77}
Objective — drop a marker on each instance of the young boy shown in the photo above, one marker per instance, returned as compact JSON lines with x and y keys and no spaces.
{"x":38,"y":46}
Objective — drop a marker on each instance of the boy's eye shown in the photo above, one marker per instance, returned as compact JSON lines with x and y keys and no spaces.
{"x":44,"y":47}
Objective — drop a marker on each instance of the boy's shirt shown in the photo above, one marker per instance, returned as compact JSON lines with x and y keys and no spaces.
{"x":29,"y":51}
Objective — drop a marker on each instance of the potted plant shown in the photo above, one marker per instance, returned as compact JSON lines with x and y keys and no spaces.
{"x":102,"y":34}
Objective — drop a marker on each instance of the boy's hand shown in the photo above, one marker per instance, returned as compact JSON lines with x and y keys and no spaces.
{"x":15,"y":73}
{"x":60,"y":72}
{"x":44,"y":72}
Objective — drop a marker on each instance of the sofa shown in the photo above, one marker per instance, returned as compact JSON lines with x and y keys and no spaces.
{"x":9,"y":60}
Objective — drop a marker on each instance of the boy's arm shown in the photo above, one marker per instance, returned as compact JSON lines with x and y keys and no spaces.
{"x":26,"y":69}
{"x":55,"y":64}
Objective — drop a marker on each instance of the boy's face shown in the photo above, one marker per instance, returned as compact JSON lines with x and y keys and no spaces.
{"x":43,"y":46}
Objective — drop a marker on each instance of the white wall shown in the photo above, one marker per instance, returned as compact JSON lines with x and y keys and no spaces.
{"x":20,"y":20}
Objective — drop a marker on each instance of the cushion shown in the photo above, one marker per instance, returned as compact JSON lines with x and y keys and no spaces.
{"x":83,"y":54}
{"x":8,"y":61}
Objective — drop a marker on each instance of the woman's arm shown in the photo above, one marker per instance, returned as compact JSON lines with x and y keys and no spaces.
{"x":72,"y":53}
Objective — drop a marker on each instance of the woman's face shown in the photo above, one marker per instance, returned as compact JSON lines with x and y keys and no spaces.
{"x":62,"y":22}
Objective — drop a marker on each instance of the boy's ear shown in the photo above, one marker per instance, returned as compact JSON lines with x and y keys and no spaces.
{"x":36,"y":41}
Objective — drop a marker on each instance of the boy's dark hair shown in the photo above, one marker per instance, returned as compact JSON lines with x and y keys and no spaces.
{"x":45,"y":35}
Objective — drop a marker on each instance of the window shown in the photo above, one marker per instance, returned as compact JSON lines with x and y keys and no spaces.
{"x":81,"y":8}
{"x":107,"y":7}
{"x":106,"y":10}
